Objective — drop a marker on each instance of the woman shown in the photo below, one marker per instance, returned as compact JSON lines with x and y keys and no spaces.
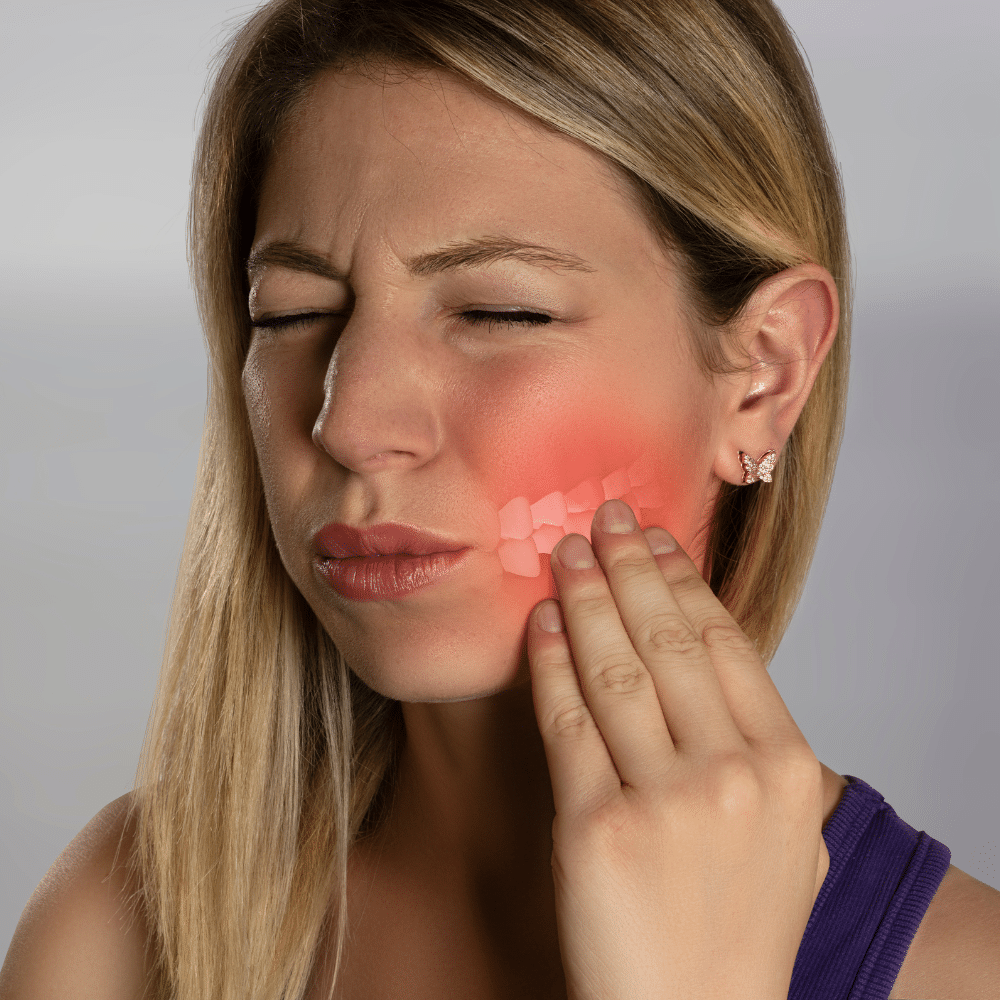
{"x":514,"y":274}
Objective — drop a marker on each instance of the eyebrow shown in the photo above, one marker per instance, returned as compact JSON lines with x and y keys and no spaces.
{"x":296,"y":256}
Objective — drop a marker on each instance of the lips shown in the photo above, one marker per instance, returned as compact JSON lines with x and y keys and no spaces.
{"x":341,"y":541}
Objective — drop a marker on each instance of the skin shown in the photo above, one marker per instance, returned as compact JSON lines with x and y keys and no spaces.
{"x":399,"y":409}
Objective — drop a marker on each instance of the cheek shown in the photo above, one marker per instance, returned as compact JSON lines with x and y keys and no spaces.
{"x":564,"y":439}
{"x":258,"y":403}
{"x":281,"y":426}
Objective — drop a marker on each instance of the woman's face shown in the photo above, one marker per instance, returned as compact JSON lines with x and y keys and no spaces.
{"x":397,"y":399}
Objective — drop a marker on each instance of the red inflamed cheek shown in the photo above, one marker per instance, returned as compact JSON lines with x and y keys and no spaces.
{"x":557,"y":434}
{"x":568,"y":466}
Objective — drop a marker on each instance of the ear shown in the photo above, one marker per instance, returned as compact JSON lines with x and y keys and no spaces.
{"x":786,"y":329}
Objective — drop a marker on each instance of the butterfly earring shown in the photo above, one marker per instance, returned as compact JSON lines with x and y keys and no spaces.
{"x":761,"y":469}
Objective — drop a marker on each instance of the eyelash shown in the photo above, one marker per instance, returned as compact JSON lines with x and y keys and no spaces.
{"x":486,"y":318}
{"x":483,"y":317}
{"x":286,"y":322}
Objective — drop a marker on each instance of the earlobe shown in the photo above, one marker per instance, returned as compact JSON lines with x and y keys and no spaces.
{"x":787,"y":330}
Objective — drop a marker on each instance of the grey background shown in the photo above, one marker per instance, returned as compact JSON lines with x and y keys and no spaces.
{"x":890,"y":666}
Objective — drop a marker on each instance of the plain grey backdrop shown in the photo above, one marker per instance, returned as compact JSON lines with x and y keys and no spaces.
{"x":890,"y":667}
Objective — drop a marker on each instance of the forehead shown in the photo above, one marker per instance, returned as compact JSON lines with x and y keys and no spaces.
{"x":413,"y":156}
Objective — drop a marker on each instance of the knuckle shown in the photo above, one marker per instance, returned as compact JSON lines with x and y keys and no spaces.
{"x":727,"y":637}
{"x":570,"y":721}
{"x":672,"y":635}
{"x":736,"y":787}
{"x":590,"y":607}
{"x":620,"y":676}
{"x":686,"y":582}
{"x":629,"y":565}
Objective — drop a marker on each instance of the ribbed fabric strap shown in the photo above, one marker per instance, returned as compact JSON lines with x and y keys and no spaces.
{"x":883,"y":875}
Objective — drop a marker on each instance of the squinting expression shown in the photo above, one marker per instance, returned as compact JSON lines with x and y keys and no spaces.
{"x":463,"y":325}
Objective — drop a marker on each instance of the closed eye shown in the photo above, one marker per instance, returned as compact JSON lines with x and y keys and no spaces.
{"x":477,"y":317}
{"x":288,"y":322}
{"x":482,"y":317}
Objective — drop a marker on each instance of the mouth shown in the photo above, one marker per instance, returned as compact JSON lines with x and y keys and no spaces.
{"x":341,"y":541}
{"x":387,"y":577}
{"x":528,"y":530}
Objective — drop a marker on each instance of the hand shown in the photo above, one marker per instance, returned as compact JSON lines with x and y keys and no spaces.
{"x":687,"y":843}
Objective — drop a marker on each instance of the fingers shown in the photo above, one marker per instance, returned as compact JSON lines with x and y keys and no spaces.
{"x":650,"y":664}
{"x":580,"y":767}
{"x":598,"y":673}
{"x":630,"y":587}
{"x":753,"y":700}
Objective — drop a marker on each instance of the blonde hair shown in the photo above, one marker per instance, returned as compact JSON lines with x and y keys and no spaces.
{"x":265,"y":757}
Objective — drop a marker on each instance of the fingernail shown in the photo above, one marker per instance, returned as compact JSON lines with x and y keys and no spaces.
{"x":616,"y":517}
{"x":660,"y":541}
{"x":548,"y":617}
{"x":574,"y":552}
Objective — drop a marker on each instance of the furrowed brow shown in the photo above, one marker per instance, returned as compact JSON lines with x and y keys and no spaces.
{"x":466,"y":255}
{"x":489,"y":250}
{"x":292,"y":256}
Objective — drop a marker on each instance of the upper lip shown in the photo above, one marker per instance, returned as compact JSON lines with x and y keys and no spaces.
{"x":339,"y":541}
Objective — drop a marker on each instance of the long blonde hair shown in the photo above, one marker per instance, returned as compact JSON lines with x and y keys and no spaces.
{"x":265,"y":757}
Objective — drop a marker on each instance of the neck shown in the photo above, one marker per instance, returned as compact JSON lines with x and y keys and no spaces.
{"x":473,"y":790}
{"x":469,"y":831}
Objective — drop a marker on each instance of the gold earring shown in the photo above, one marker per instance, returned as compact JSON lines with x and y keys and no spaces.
{"x":761,"y":469}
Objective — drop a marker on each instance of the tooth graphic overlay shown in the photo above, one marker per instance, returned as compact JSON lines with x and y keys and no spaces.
{"x":589,"y":495}
{"x":547,"y":537}
{"x":616,"y":485}
{"x":549,"y":510}
{"x":529,"y":529}
{"x":519,"y":556}
{"x":516,"y":520}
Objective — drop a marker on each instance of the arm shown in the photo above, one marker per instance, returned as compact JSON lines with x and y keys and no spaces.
{"x":955,"y":954}
{"x":76,"y":938}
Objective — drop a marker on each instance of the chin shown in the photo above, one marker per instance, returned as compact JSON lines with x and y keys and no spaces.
{"x":472,"y":653}
{"x":470,"y":646}
{"x":462,"y":675}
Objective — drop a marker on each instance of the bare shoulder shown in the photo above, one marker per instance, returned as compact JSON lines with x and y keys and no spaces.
{"x":955,"y":954}
{"x":78,"y":936}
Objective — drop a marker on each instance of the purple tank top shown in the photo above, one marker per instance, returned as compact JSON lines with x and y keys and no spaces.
{"x":883,"y":875}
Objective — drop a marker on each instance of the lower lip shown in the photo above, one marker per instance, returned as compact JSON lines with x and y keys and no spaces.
{"x":382,"y":578}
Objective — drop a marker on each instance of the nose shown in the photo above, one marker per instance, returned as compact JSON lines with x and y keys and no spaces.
{"x":381,"y":394}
